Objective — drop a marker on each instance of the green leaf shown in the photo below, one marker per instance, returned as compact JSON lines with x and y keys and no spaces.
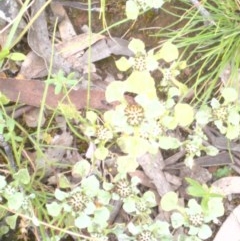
{"x":81,"y":169}
{"x":3,"y":182}
{"x":123,"y":64}
{"x":166,"y":142}
{"x":104,"y":197}
{"x":134,"y":229}
{"x":184,"y":114}
{"x":232,"y":132}
{"x":233,"y":117}
{"x":101,"y":153}
{"x":203,"y":115}
{"x":133,"y":145}
{"x":15,"y":201}
{"x":22,"y":176}
{"x":54,"y":209}
{"x":215,"y":208}
{"x":169,"y":201}
{"x":137,"y":46}
{"x":132,"y":10}
{"x":90,"y":186}
{"x":215,"y":103}
{"x":83,"y":221}
{"x":16,"y":56}
{"x":4,"y":99}
{"x":204,"y":232}
{"x":115,"y":91}
{"x":63,"y":181}
{"x":142,"y":83}
{"x":168,"y":52}
{"x":177,"y":220}
{"x":60,"y":195}
{"x":4,"y":53}
{"x":11,"y":221}
{"x":101,"y":216}
{"x":150,"y":198}
{"x":229,"y":95}
{"x":91,"y":116}
{"x":127,"y":164}
{"x":4,"y":229}
{"x":161,"y":228}
{"x":211,"y":150}
{"x":129,"y":205}
{"x":196,"y":189}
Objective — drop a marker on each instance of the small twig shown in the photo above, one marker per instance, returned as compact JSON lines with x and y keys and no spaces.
{"x":204,"y":12}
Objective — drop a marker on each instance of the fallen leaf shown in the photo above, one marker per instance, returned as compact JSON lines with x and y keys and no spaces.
{"x":230,"y":229}
{"x":227,"y":185}
{"x":32,"y":116}
{"x":30,"y":92}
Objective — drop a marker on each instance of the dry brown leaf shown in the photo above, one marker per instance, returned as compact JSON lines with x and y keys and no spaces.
{"x":65,"y":26}
{"x":227,"y":185}
{"x":30,"y":92}
{"x":33,"y":67}
{"x":32,"y":117}
{"x":77,"y":44}
{"x":230,"y":229}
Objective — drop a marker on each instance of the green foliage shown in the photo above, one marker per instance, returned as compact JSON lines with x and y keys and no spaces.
{"x":15,"y":56}
{"x":61,"y":82}
{"x":202,"y":191}
{"x":194,"y":217}
{"x":222,"y":172}
{"x":213,"y":38}
{"x":145,"y":125}
{"x":3,"y":99}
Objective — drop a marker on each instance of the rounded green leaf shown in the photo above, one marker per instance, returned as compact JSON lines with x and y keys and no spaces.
{"x":168,"y":52}
{"x":83,"y":221}
{"x":150,"y":198}
{"x":11,"y":221}
{"x":232,"y":132}
{"x":54,"y":209}
{"x":137,"y":46}
{"x":132,"y":10}
{"x":133,"y":145}
{"x":169,"y":201}
{"x":184,"y":114}
{"x":3,"y":182}
{"x":129,"y":205}
{"x":123,"y":64}
{"x":22,"y":176}
{"x":90,"y":186}
{"x":91,"y":116}
{"x":127,"y":164}
{"x":101,"y":216}
{"x":115,"y":91}
{"x":204,"y":232}
{"x":229,"y":94}
{"x":4,"y":99}
{"x":16,"y":56}
{"x":60,"y":195}
{"x":167,"y":142}
{"x":81,"y":169}
{"x":177,"y":220}
{"x":63,"y":181}
{"x":141,"y":83}
{"x":101,"y":153}
{"x":15,"y":201}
